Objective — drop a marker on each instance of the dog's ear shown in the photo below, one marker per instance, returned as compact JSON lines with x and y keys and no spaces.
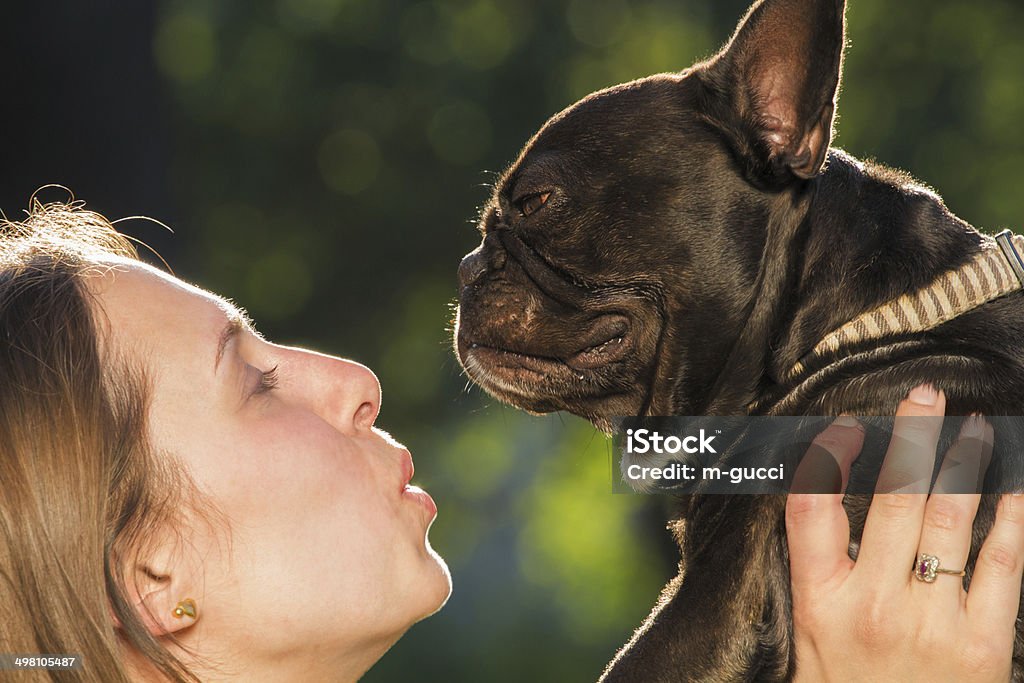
{"x":773,"y":87}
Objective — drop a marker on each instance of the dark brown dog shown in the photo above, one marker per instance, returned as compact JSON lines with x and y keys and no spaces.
{"x":672,"y":246}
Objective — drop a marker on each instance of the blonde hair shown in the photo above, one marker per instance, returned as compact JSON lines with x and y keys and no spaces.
{"x":80,"y":486}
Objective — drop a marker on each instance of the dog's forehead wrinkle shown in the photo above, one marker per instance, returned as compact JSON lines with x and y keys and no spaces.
{"x":545,"y":170}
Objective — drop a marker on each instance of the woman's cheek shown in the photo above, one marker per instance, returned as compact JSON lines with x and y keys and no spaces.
{"x":298,"y":451}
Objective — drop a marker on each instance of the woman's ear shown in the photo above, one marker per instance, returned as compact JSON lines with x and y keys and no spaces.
{"x":164,"y":599}
{"x":774,"y":86}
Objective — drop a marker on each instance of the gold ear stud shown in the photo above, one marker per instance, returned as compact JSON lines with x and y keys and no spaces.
{"x":185,"y":608}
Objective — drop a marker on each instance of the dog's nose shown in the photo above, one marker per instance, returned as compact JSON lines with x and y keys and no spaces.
{"x":475,"y":263}
{"x":472,"y":267}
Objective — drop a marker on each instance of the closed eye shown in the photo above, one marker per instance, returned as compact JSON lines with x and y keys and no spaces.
{"x":268,"y":380}
{"x":532,"y":203}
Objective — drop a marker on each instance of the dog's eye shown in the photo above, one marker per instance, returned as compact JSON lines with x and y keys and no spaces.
{"x":530,"y":203}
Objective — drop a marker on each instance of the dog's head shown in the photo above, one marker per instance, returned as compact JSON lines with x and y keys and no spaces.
{"x":621,"y":249}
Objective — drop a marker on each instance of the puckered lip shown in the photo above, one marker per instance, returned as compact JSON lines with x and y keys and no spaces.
{"x":408,"y":469}
{"x":412,"y":492}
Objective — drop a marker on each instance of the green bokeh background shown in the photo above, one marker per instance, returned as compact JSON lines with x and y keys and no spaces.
{"x":325,"y":162}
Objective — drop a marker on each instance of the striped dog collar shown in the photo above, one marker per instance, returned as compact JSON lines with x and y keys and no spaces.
{"x":992,"y":273}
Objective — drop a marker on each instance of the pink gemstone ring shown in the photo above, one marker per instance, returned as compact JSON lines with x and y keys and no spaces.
{"x":926,"y":568}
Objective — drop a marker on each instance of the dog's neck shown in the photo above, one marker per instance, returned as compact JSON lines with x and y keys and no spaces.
{"x":995,"y":271}
{"x":867,"y":235}
{"x":748,"y":361}
{"x":873,"y":236}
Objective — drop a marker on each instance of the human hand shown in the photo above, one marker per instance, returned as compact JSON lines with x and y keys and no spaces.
{"x":873,"y":619}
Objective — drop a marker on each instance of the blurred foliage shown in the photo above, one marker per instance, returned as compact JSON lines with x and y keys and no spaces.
{"x":329,"y":156}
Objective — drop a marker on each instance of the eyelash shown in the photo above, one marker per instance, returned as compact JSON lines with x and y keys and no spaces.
{"x":268,"y":380}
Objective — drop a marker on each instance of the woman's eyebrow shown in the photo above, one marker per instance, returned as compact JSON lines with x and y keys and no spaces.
{"x":237,"y":320}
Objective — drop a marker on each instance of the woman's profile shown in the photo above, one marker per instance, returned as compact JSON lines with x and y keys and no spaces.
{"x":181,"y":499}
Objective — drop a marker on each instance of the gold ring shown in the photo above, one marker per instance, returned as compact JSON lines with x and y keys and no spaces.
{"x":926,"y":568}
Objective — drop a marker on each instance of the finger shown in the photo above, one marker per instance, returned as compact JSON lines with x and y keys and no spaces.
{"x":817,"y":528}
{"x":818,"y":533}
{"x":910,"y":460}
{"x":986,"y":457}
{"x":893,"y":525}
{"x":949,"y":518}
{"x":993,"y":598}
{"x":825,"y":468}
{"x":963,"y":468}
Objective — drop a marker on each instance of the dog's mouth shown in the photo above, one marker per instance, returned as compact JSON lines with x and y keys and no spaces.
{"x":596,"y":366}
{"x":606,"y":342}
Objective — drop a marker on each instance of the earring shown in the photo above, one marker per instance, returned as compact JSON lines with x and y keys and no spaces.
{"x":185,"y":608}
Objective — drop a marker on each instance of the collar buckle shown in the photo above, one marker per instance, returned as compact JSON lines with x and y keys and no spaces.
{"x":1005,"y":241}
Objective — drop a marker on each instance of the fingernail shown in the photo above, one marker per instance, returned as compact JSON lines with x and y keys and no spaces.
{"x":973,"y":427}
{"x":847,"y":421}
{"x":924,"y":395}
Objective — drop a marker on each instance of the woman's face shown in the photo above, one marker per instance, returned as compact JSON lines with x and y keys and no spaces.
{"x":328,"y":554}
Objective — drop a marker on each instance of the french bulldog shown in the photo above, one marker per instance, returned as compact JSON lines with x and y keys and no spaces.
{"x":675,"y":245}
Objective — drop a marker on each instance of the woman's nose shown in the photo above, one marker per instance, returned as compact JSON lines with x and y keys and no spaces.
{"x":362,"y":394}
{"x":349,"y":393}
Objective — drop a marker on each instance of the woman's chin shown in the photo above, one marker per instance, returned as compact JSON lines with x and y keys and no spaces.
{"x":441,"y":581}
